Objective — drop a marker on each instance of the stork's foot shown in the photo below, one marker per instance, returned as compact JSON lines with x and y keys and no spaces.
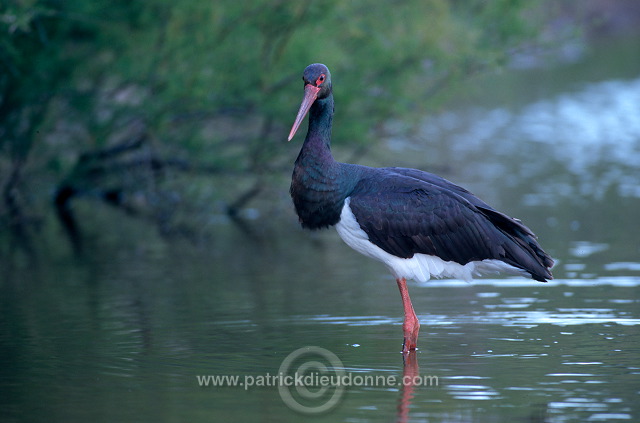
{"x":408,"y":346}
{"x":411,"y":328}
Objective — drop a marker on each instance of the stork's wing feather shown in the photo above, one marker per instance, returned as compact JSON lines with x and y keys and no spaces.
{"x":405,"y":215}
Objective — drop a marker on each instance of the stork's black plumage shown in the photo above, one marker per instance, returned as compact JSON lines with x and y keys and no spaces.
{"x":417,"y":223}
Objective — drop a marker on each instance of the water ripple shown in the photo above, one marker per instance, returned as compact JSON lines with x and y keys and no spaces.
{"x":517,"y":318}
{"x":617,"y":281}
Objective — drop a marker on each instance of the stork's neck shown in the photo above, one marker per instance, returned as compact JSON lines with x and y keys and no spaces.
{"x":319,"y":185}
{"x":318,"y":140}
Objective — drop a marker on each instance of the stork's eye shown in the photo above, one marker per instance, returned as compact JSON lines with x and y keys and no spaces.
{"x":320,"y":79}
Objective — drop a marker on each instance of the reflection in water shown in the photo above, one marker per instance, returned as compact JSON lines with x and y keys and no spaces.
{"x":592,"y":133}
{"x":473,"y":392}
{"x":410,"y":373}
{"x":583,"y":249}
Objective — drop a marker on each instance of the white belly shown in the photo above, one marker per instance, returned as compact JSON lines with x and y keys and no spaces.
{"x":420,"y":267}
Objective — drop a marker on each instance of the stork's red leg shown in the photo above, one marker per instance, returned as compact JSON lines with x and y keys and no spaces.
{"x":411,"y":325}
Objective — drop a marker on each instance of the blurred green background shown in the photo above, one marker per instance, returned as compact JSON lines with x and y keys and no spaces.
{"x":176,"y":113}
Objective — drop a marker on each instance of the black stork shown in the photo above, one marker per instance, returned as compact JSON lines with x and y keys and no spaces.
{"x":418,"y":224}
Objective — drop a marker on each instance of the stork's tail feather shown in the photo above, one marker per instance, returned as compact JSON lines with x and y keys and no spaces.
{"x":525,"y":252}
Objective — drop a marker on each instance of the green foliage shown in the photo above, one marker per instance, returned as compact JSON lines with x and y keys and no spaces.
{"x":218,"y":83}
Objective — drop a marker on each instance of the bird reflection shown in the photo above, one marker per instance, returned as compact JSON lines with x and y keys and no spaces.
{"x":409,"y":376}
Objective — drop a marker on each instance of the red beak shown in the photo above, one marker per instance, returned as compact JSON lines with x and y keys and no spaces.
{"x":310,"y":95}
